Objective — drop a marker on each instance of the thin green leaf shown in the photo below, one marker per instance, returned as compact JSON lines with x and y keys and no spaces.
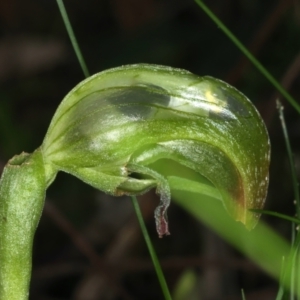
{"x":151,"y":250}
{"x":243,"y":294}
{"x":72,"y":37}
{"x":244,"y":50}
{"x":295,"y":241}
{"x":280,"y":293}
{"x":290,"y":156}
{"x":276,"y":214}
{"x":289,"y":279}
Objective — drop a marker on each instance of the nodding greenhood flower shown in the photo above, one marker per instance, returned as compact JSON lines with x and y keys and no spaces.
{"x":113,"y":127}
{"x":119,"y":121}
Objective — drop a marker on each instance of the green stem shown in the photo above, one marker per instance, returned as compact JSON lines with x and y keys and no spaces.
{"x":243,"y":294}
{"x":72,"y":37}
{"x":290,"y":156}
{"x":247,"y":53}
{"x":276,"y":214}
{"x":151,"y":250}
{"x":22,"y":194}
{"x":294,"y":270}
{"x":281,"y":290}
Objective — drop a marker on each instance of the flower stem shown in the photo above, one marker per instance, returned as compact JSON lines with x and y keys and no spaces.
{"x":151,"y":250}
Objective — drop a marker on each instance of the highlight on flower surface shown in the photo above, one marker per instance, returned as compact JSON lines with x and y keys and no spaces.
{"x":112,"y":126}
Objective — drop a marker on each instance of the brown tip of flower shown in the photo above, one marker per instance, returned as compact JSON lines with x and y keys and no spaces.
{"x":162,"y":225}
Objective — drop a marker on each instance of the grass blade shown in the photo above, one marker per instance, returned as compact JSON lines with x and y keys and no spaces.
{"x":294,"y":269}
{"x":290,"y":155}
{"x":151,"y":250}
{"x":276,"y":214}
{"x":243,"y":294}
{"x":280,"y":293}
{"x":72,"y":37}
{"x":247,"y":53}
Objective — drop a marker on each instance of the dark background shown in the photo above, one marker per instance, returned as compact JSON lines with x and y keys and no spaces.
{"x":88,"y":245}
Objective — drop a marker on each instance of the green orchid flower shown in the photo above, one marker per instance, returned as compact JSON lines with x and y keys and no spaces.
{"x":111,"y":129}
